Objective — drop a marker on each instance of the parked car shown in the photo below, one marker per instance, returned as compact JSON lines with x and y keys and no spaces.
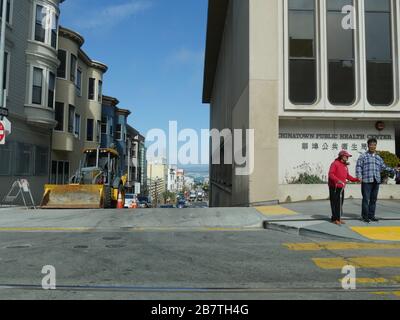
{"x":130,"y":198}
{"x":181,"y":204}
{"x":144,"y":202}
{"x":167,"y":206}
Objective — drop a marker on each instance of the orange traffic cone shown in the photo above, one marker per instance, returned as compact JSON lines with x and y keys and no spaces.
{"x":120,"y":205}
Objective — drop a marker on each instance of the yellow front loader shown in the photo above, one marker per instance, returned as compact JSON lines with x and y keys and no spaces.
{"x":96,"y":184}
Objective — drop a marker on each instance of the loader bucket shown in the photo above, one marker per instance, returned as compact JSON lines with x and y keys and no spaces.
{"x":73,"y":197}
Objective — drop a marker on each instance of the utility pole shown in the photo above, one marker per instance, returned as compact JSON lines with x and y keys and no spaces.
{"x":2,"y":52}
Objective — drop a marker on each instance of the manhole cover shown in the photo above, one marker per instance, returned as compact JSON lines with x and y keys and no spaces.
{"x":115,"y":246}
{"x":25,"y":246}
{"x":111,"y":238}
{"x":81,"y":247}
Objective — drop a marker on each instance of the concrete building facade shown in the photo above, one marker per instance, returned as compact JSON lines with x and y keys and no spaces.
{"x":311,"y":78}
{"x":78,"y":106}
{"x":31,"y":65}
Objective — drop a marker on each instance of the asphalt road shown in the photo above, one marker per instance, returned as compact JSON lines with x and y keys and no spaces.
{"x":182,"y":265}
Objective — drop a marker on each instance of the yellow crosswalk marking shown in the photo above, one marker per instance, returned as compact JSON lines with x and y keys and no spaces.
{"x":379,"y":233}
{"x":340,"y":246}
{"x":358,"y":262}
{"x":275,"y":211}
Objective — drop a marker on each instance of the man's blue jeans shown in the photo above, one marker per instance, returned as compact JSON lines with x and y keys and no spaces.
{"x":370,"y":193}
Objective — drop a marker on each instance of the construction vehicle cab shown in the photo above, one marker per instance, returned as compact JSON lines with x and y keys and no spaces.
{"x":96,"y":184}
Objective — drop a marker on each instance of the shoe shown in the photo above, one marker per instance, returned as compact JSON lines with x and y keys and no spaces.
{"x":342,"y":222}
{"x":366,"y":220}
{"x":374,"y":219}
{"x":337,"y":222}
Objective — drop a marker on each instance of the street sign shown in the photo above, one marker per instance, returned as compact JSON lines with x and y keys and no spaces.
{"x":2,"y":133}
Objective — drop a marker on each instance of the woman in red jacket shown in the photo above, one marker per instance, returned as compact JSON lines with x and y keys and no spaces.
{"x":338,"y":177}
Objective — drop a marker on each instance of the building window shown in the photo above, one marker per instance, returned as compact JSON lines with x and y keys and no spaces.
{"x":41,"y":17}
{"x":41,"y":161}
{"x":100,"y":93}
{"x":62,"y":69}
{"x":59,"y":116}
{"x":79,"y":82}
{"x":8,"y":12}
{"x":378,"y":35}
{"x":71,"y":119}
{"x":59,"y":172}
{"x":89,"y":130}
{"x":37,"y":86}
{"x":118,"y":132}
{"x":77,"y":126}
{"x":24,"y":159}
{"x":52,"y":87}
{"x":5,"y":159}
{"x":54,"y":30}
{"x":341,"y":56}
{"x":302,"y":52}
{"x":103,"y":125}
{"x":91,"y":88}
{"x":73,"y":68}
{"x":98,"y":131}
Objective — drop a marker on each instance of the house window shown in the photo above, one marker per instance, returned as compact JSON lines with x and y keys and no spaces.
{"x":91,"y":88}
{"x":77,"y":128}
{"x":341,"y":56}
{"x":100,"y":93}
{"x":5,"y":159}
{"x":24,"y":159}
{"x":302,"y":52}
{"x":37,"y":86}
{"x":59,"y":116}
{"x":71,"y":119}
{"x":41,"y":161}
{"x":73,"y":68}
{"x":89,"y":129}
{"x":52,"y":87}
{"x":8,"y":12}
{"x":79,"y":82}
{"x":98,"y":131}
{"x":41,"y":17}
{"x":104,"y":125}
{"x":54,"y":30}
{"x":118,"y":132}
{"x":378,"y":35}
{"x":62,"y":69}
{"x":59,"y":172}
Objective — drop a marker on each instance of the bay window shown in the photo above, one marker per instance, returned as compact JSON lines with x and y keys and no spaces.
{"x":37,"y":86}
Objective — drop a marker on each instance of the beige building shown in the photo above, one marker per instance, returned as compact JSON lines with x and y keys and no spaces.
{"x":78,"y":106}
{"x":310,"y":80}
{"x":157,"y":178}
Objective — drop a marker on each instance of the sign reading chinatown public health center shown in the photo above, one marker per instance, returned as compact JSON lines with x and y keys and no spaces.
{"x":310,"y":146}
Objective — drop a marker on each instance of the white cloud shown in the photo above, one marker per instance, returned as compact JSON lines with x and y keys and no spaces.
{"x":113,"y":15}
{"x":186,"y":56}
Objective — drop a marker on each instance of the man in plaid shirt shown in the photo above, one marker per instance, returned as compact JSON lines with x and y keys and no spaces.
{"x":369,"y":168}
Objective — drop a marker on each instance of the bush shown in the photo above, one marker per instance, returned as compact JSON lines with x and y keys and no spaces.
{"x":391,"y":160}
{"x":305,"y":178}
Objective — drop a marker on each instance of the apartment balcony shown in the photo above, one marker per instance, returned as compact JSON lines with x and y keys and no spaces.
{"x":63,"y":141}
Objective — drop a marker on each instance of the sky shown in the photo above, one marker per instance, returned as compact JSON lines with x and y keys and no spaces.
{"x":155,"y":53}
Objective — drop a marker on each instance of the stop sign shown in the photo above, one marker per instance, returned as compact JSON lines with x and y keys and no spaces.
{"x":2,"y":133}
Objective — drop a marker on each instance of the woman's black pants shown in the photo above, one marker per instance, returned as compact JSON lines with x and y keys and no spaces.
{"x":337,"y":199}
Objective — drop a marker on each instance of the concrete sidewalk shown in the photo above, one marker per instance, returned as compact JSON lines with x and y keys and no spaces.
{"x":306,"y":218}
{"x":157,"y":219}
{"x":313,"y":219}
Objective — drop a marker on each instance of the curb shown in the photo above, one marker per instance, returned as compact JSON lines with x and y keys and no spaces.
{"x":305,"y":232}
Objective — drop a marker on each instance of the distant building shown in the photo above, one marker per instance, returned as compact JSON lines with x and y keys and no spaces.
{"x":77,"y":106}
{"x":157,"y":177}
{"x":114,"y":122}
{"x":172,"y":178}
{"x":137,"y":164}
